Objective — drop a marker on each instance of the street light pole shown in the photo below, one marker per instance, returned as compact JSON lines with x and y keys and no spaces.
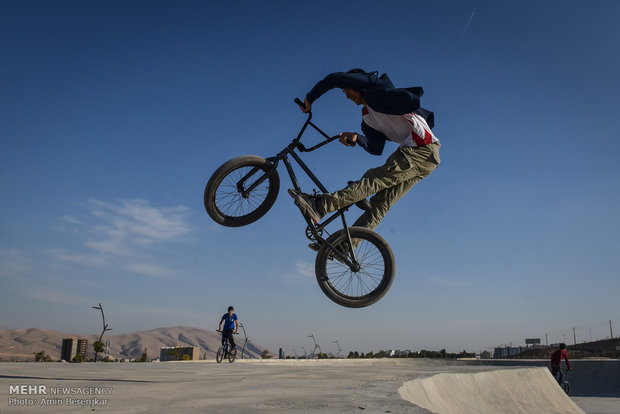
{"x":246,"y":340}
{"x":339,"y":349}
{"x":105,"y":325}
{"x":315,"y":346}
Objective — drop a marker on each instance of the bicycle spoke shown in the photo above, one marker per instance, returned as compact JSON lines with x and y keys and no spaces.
{"x":363,"y":282}
{"x":230,"y":201}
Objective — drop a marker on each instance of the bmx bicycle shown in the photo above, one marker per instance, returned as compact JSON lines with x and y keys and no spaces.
{"x":354,"y":266}
{"x":225,"y":351}
{"x":562,"y":381}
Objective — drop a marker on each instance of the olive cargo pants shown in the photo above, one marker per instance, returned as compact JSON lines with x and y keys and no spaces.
{"x":389,"y":182}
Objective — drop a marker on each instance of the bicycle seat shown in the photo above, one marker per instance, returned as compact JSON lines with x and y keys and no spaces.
{"x":363,"y":204}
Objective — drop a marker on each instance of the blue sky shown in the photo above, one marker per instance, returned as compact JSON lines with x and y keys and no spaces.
{"x":113,"y":115}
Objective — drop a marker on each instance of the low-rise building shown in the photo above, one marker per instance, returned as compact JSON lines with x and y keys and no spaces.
{"x":179,"y":353}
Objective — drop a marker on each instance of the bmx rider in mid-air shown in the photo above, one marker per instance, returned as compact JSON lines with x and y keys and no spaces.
{"x":231,"y":326}
{"x":388,"y":113}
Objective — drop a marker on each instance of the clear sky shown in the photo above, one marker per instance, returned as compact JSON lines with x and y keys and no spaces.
{"x":114,"y":114}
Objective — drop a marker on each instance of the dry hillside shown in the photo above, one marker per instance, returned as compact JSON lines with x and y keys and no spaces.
{"x":22,"y":344}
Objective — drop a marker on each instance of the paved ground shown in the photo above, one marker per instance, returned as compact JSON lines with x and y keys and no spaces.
{"x":334,"y":386}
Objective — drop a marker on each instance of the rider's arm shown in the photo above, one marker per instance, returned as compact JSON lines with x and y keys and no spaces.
{"x":373,"y":141}
{"x":236,"y":325}
{"x":221,"y":322}
{"x":357,"y":81}
{"x":565,"y":355}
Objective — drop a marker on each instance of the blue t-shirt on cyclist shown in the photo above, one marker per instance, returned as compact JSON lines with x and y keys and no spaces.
{"x":229,"y":320}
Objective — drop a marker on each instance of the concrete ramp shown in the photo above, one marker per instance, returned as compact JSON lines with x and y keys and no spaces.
{"x":508,"y":391}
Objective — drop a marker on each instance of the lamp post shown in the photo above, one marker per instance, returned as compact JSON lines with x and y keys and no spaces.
{"x":316,"y":346}
{"x":245,"y":341}
{"x":339,"y":349}
{"x":105,"y":326}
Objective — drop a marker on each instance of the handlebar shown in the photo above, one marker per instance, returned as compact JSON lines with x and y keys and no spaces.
{"x":299,"y":102}
{"x":302,"y":105}
{"x":219,"y":330}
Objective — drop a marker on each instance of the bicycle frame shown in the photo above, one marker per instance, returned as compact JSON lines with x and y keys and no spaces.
{"x":226,"y":346}
{"x":315,"y":229}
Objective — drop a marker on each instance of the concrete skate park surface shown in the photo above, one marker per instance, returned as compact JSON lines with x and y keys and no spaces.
{"x":308,"y":386}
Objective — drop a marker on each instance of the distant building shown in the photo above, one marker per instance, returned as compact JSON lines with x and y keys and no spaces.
{"x":72,"y":347}
{"x":485,"y":355}
{"x":179,"y":353}
{"x":507,"y":351}
{"x":82,"y":347}
{"x":397,"y":353}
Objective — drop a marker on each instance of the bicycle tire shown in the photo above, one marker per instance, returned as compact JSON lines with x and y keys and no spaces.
{"x":220,"y":354}
{"x":364,"y":287}
{"x":566,"y":387}
{"x":223,"y":199}
{"x":232,"y":355}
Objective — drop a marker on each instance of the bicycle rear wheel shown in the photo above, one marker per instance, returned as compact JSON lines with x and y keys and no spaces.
{"x":220,"y":354}
{"x":566,"y":387}
{"x":226,"y":198}
{"x":356,"y":288}
{"x":232,"y":354}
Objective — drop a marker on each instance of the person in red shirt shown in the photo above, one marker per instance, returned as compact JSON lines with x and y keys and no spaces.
{"x":556,"y":363}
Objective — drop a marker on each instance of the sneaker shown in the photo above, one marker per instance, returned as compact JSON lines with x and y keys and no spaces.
{"x":308,"y":205}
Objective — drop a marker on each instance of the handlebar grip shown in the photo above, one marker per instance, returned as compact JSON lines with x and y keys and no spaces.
{"x":351,"y":143}
{"x":300,"y":103}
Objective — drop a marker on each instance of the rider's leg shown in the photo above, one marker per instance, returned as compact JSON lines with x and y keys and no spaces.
{"x":226,"y":335}
{"x":231,"y":340}
{"x":405,"y":164}
{"x":381,"y":202}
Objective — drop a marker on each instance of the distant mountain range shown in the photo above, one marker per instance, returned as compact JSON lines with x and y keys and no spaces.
{"x":22,"y":344}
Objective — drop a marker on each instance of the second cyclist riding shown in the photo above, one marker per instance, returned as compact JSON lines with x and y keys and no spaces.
{"x":354,"y":266}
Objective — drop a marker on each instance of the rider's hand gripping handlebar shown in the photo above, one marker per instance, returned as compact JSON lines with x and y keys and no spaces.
{"x":300,"y":103}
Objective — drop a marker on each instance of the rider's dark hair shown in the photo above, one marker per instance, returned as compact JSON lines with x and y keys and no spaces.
{"x":562,"y":345}
{"x":356,"y":70}
{"x":231,"y":308}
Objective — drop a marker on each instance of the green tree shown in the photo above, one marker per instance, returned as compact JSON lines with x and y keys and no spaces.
{"x":78,"y":358}
{"x":42,"y":357}
{"x":98,"y":346}
{"x":266,"y":355}
{"x":144,"y":357}
{"x":186,"y":357}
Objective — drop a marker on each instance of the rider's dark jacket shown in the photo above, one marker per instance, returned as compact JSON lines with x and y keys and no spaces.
{"x":381,"y":96}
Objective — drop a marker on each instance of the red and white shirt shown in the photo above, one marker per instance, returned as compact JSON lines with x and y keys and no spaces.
{"x":408,"y":130}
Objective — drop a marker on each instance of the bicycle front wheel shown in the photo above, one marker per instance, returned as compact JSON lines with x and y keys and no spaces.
{"x":239,"y":192}
{"x":220,"y":354}
{"x":232,"y":354}
{"x":367,"y":283}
